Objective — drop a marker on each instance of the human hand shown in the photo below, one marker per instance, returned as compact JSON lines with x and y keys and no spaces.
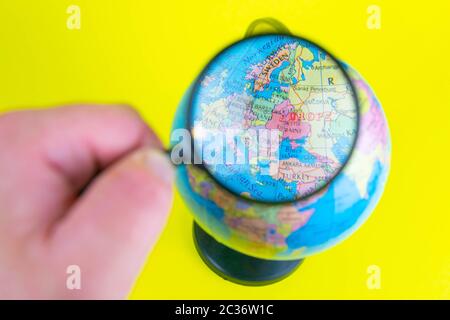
{"x":80,"y":185}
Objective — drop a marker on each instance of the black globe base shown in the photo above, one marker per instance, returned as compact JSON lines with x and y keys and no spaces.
{"x":238,"y":267}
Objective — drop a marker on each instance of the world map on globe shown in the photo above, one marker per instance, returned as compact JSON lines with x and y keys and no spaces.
{"x":284,"y":91}
{"x":297,"y":229}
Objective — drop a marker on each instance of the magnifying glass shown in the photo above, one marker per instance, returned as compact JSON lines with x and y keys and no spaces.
{"x":273,"y":118}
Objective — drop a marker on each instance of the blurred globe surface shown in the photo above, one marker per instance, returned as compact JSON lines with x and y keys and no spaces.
{"x":325,"y":175}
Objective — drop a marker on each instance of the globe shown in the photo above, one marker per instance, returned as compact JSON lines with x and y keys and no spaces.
{"x":322,"y":177}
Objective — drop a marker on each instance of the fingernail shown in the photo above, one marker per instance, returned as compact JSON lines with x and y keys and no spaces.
{"x":160,"y":165}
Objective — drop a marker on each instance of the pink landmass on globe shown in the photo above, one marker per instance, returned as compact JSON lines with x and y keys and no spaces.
{"x":372,"y":121}
{"x":291,"y":126}
{"x":291,"y":216}
{"x":306,"y":187}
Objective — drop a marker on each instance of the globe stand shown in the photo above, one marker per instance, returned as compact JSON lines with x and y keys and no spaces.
{"x":238,"y":267}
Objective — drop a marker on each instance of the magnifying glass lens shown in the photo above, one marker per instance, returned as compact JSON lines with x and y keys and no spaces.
{"x":273,"y":118}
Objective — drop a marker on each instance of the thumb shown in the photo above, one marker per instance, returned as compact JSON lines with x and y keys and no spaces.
{"x":112,"y":227}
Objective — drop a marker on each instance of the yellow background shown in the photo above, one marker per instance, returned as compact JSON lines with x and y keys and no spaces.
{"x":147,"y":53}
